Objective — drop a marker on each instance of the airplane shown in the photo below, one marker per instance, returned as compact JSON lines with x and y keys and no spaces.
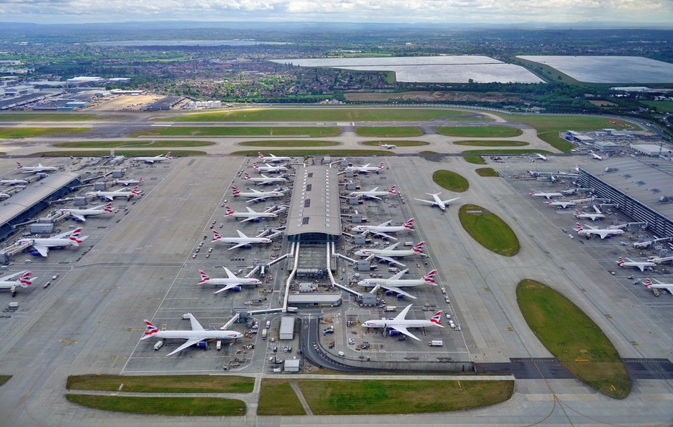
{"x":251,"y":215}
{"x":591,"y":216}
{"x":110,"y":195}
{"x":538,"y":156}
{"x":231,"y":282}
{"x":156,"y":159}
{"x":257,"y":196}
{"x":562,"y":204}
{"x":400,"y":323}
{"x":13,"y":181}
{"x":130,"y":181}
{"x":195,"y":336}
{"x":373,"y":194}
{"x":35,"y":169}
{"x":267,"y":168}
{"x":549,"y":196}
{"x":81,"y":214}
{"x":441,"y":204}
{"x":387,"y":253}
{"x":603,"y":232}
{"x":241,"y":240}
{"x":659,"y":285}
{"x":272,"y":158}
{"x":365,"y":169}
{"x":596,"y":156}
{"x":5,"y":195}
{"x":396,"y":282}
{"x":24,"y":280}
{"x":381,"y":229}
{"x":264,"y":179}
{"x":388,"y":146}
{"x":641,"y":265}
{"x":70,"y":238}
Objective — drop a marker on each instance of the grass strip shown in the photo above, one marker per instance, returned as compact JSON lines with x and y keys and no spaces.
{"x":486,"y":172}
{"x":194,"y":406}
{"x":128,"y":153}
{"x":512,"y":152}
{"x":162,"y":383}
{"x":47,"y":117}
{"x":480,"y":131}
{"x":489,"y":230}
{"x":573,"y":338}
{"x":294,"y":143}
{"x":276,"y":397}
{"x":401,"y":143}
{"x":451,"y":181}
{"x":475,"y":160}
{"x":389,"y":131}
{"x":34,"y":132}
{"x":4,"y":378}
{"x":319,"y":153}
{"x":240,"y":131}
{"x":115,"y":144}
{"x":492,"y":143}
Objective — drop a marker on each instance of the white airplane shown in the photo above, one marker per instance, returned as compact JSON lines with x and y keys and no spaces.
{"x":156,"y":159}
{"x":257,"y":196}
{"x":374,"y":194}
{"x":81,"y":214}
{"x":251,"y":215}
{"x":591,"y":216}
{"x":5,"y":195}
{"x":268,"y":180}
{"x":396,"y":282}
{"x":401,"y":324}
{"x":13,"y":181}
{"x":562,"y":204}
{"x":110,"y":195}
{"x":549,"y":196}
{"x":24,"y":280}
{"x":641,"y":265}
{"x":267,"y":168}
{"x":365,"y":169}
{"x":381,"y":229}
{"x":441,"y":204}
{"x":603,"y":232}
{"x":130,"y":181}
{"x":388,"y":146}
{"x":240,"y":241}
{"x":70,"y":238}
{"x":596,"y":156}
{"x":231,"y":282}
{"x":35,"y":169}
{"x":659,"y":285}
{"x":387,"y":253}
{"x":272,"y":158}
{"x":195,"y":336}
{"x":539,"y":156}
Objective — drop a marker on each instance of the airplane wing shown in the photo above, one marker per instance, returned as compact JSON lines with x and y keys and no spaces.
{"x":43,"y":250}
{"x":9,"y":278}
{"x":250,"y":209}
{"x":79,"y":217}
{"x":255,"y":199}
{"x":385,"y":258}
{"x":587,"y":226}
{"x":372,"y":197}
{"x":109,"y":198}
{"x":189,"y":343}
{"x":446,"y":202}
{"x":399,"y":275}
{"x":63,"y":235}
{"x":384,"y":235}
{"x":598,"y":211}
{"x":658,"y":281}
{"x":196,"y":326}
{"x":403,"y":315}
{"x":226,"y":288}
{"x":603,"y":234}
{"x":398,"y":290}
{"x":404,"y":331}
{"x":432,"y":202}
{"x":237,"y":246}
{"x":391,"y":247}
{"x":241,"y":235}
{"x":641,"y":267}
{"x":385,"y":223}
{"x":364,"y":166}
{"x":229,"y":273}
{"x":248,"y":219}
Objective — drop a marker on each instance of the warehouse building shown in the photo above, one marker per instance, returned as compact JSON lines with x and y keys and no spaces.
{"x":287,"y":328}
{"x":166,"y":103}
{"x":315,"y":299}
{"x":653,"y":150}
{"x":606,"y":147}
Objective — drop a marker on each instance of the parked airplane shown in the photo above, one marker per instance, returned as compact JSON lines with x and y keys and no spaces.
{"x":401,"y":324}
{"x":387,"y":253}
{"x":365,"y":169}
{"x":603,"y":232}
{"x":267,"y":168}
{"x":388,"y":146}
{"x":130,"y":181}
{"x":596,"y":156}
{"x":381,"y":229}
{"x":549,"y":196}
{"x":251,"y":215}
{"x":264,"y":179}
{"x":110,"y":195}
{"x":81,"y":214}
{"x":64,"y":240}
{"x":195,"y":336}
{"x":591,"y":216}
{"x":156,"y":159}
{"x":396,"y":282}
{"x":257,"y":196}
{"x":24,"y":280}
{"x":539,"y":156}
{"x":231,"y":282}
{"x":562,"y":204}
{"x":35,"y":169}
{"x":13,"y":181}
{"x":374,"y":194}
{"x":240,"y":241}
{"x":5,"y":195}
{"x":659,"y":285}
{"x":641,"y":265}
{"x":272,"y":158}
{"x":441,"y":204}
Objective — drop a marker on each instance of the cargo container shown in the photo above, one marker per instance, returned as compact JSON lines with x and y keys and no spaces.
{"x":436,"y":343}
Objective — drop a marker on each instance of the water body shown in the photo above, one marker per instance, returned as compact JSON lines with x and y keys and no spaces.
{"x":182,"y":43}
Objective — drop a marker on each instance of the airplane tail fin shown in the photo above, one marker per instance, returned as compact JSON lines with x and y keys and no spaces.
{"x":260,"y":155}
{"x":25,"y":280}
{"x":235,"y":191}
{"x":409,"y":225}
{"x":108,"y":207}
{"x":135,"y":191}
{"x":246,"y":177}
{"x":204,"y":277}
{"x":141,"y":180}
{"x":168,"y":156}
{"x":150,"y":328}
{"x":216,"y":236}
{"x":577,"y":214}
{"x":578,"y":227}
{"x":380,"y":144}
{"x":75,"y":236}
{"x":228,"y":211}
{"x":18,"y":165}
{"x":648,"y":283}
{"x":549,"y":202}
{"x":392,"y":190}
{"x":381,"y":166}
{"x":620,"y":261}
{"x":255,"y":166}
{"x":437,"y":318}
{"x":430,"y":277}
{"x":419,"y":248}
{"x":532,"y":193}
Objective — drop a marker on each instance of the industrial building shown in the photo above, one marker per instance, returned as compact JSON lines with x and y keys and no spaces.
{"x":606,"y":146}
{"x":166,"y":103}
{"x":315,"y":300}
{"x":286,"y":328}
{"x":641,"y":191}
{"x":653,"y":150}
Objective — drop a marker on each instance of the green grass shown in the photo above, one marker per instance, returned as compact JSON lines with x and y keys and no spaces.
{"x":511,"y":152}
{"x":480,"y":131}
{"x":201,"y":406}
{"x":240,"y":131}
{"x":46,"y":117}
{"x":276,"y":397}
{"x":128,"y":153}
{"x":487,"y":172}
{"x":389,"y":131}
{"x":163,"y":383}
{"x":476,"y":160}
{"x":451,"y":181}
{"x":401,"y":143}
{"x":492,"y":143}
{"x":33,"y":132}
{"x":4,"y":378}
{"x":573,"y":338}
{"x":115,"y":144}
{"x":300,"y":143}
{"x":662,"y":106}
{"x":489,"y":230}
{"x":336,"y":153}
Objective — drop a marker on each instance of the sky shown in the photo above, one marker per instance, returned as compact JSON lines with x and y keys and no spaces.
{"x":382,"y":11}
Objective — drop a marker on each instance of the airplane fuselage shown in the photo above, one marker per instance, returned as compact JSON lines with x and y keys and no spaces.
{"x":206,"y":334}
{"x":379,"y":229}
{"x":399,"y":283}
{"x":388,"y":323}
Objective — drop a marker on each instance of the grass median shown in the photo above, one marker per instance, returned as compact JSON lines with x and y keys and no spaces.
{"x":194,"y":406}
{"x":162,"y":383}
{"x":401,"y":143}
{"x":573,"y":338}
{"x":491,"y":143}
{"x":276,"y":397}
{"x":116,"y":144}
{"x":293,"y":143}
{"x":35,"y":132}
{"x":389,"y":131}
{"x":479,"y":131}
{"x":240,"y":131}
{"x":4,"y":378}
{"x":486,"y":172}
{"x":338,"y":153}
{"x":475,"y":160}
{"x":489,"y":230}
{"x":451,"y":181}
{"x":128,"y":153}
{"x":47,"y":117}
{"x":496,"y":152}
